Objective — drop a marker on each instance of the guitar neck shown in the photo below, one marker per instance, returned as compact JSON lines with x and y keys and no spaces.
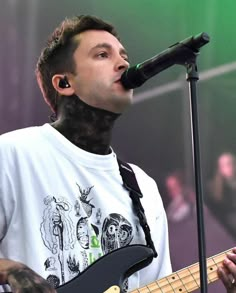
{"x":186,"y":280}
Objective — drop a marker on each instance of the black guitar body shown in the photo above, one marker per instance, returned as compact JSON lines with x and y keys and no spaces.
{"x":110,"y":270}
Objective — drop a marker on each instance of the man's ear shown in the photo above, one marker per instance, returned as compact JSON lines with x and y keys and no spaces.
{"x":62,"y":85}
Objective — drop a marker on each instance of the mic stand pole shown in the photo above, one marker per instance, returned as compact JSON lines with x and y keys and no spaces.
{"x":192,"y":77}
{"x":182,"y":53}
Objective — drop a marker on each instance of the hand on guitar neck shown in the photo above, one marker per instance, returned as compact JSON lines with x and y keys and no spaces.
{"x":227,"y":273}
{"x":21,"y":278}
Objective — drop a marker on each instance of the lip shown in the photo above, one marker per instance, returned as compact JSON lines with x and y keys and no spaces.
{"x":118,"y":82}
{"x":117,"y":78}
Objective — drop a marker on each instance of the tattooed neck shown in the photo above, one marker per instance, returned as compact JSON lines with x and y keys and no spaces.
{"x":87,"y":127}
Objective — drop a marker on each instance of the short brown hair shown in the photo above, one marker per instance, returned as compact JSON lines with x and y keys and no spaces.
{"x":57,"y":56}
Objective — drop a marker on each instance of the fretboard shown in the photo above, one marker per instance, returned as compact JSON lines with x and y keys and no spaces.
{"x":185,"y":280}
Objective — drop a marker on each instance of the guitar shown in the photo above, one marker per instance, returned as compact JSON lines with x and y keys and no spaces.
{"x":108,"y":273}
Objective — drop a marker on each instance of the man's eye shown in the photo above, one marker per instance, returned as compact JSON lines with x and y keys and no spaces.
{"x":103,"y":54}
{"x":126,"y":58}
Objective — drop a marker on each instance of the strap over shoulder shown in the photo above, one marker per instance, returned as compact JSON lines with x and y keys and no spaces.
{"x":131,"y":184}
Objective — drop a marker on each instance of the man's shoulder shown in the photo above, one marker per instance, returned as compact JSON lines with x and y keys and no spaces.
{"x":18,"y":138}
{"x":149,"y":188}
{"x":139,"y":171}
{"x":143,"y":178}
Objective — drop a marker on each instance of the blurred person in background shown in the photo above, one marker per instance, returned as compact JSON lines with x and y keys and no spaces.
{"x":181,"y":211}
{"x":181,"y":197}
{"x":180,"y":205}
{"x":221,"y":193}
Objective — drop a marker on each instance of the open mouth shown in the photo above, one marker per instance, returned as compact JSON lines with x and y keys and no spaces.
{"x":118,"y":81}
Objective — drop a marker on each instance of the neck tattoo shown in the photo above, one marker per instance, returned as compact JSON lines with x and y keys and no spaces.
{"x":87,"y":127}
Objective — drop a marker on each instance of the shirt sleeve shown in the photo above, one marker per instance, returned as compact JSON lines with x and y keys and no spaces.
{"x":6,"y":188}
{"x":2,"y":210}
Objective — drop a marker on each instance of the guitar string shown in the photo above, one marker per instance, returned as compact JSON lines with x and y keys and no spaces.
{"x":189,"y":282}
{"x":179,"y":288}
{"x":181,"y":281}
{"x":170,"y":284}
{"x":215,"y":260}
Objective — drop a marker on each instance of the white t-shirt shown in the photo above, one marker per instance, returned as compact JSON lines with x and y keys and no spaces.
{"x":61,"y":208}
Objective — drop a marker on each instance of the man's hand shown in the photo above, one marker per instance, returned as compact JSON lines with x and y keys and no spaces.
{"x":227,"y":273}
{"x":22,"y":279}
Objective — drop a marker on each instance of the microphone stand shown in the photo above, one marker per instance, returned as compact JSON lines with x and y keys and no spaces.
{"x":187,"y":56}
{"x":192,"y":77}
{"x":182,"y":53}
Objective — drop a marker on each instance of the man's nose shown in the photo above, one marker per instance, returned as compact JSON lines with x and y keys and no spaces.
{"x":122,"y":64}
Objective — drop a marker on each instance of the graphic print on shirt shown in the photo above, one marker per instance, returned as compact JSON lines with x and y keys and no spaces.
{"x":116,"y":232}
{"x":57,"y":228}
{"x":77,"y":208}
{"x":74,"y":245}
{"x":82,"y":227}
{"x":85,"y":260}
{"x":87,"y":206}
{"x":73,"y":266}
{"x":53,"y":280}
{"x":87,"y":233}
{"x":49,"y":264}
{"x":82,"y":232}
{"x":98,"y":216}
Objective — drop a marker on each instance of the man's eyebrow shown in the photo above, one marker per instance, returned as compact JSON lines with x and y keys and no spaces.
{"x":109,"y":47}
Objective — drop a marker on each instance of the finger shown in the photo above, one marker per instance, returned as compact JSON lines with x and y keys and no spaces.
{"x":234,"y":249}
{"x":230,"y":263}
{"x":232,"y":255}
{"x":225,"y":277}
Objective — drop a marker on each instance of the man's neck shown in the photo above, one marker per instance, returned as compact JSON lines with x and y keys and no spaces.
{"x":87,"y":127}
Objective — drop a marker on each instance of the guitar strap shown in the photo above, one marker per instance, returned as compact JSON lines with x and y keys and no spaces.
{"x":131,"y":184}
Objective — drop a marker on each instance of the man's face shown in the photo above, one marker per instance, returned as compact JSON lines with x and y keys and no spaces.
{"x":173,"y":187}
{"x":226,"y":166}
{"x":100,"y":61}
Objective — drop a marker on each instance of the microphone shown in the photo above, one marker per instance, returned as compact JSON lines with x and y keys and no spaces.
{"x":178,"y":53}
